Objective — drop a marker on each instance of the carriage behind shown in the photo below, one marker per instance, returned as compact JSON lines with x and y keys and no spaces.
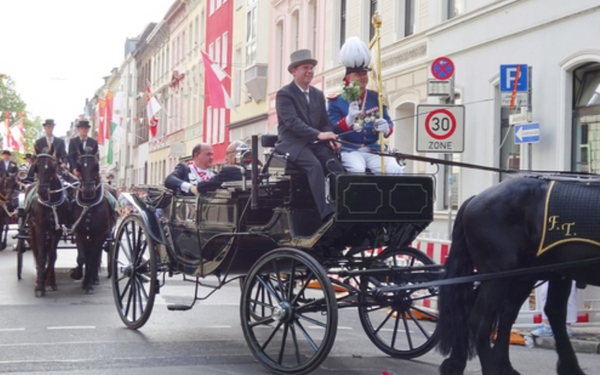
{"x":295,"y":271}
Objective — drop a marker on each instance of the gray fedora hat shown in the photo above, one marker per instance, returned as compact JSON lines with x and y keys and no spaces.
{"x":299,"y":57}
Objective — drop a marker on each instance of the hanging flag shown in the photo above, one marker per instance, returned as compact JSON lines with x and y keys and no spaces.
{"x":16,"y":139}
{"x":4,"y":131}
{"x":214,"y":75}
{"x":101,"y":120}
{"x":152,"y":108}
{"x":116,"y":130}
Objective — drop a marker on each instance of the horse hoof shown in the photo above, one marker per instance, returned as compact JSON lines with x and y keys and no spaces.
{"x":76,"y":273}
{"x":40,"y":293}
{"x":452,"y":366}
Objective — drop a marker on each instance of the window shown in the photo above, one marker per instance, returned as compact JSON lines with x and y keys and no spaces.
{"x":221,"y":125}
{"x":372,"y":10}
{"x":208,"y":124}
{"x":409,"y":17}
{"x":314,"y":15}
{"x":237,"y":76}
{"x":454,"y":8}
{"x":215,"y":126}
{"x":280,"y":67}
{"x":224,"y":50}
{"x":586,"y":119}
{"x":295,"y":31}
{"x":251,"y":23}
{"x":212,"y":7}
{"x":510,"y":152}
{"x":342,"y":22}
{"x":217,"y":57}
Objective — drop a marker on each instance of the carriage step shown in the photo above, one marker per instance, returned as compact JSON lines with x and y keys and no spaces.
{"x":176,"y":307}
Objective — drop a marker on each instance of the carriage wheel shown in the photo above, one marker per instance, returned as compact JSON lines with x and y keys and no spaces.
{"x":401,"y":324}
{"x":20,"y":246}
{"x":289,"y":328}
{"x":133,"y":270}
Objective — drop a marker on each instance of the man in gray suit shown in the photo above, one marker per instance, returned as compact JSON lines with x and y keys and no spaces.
{"x":305,"y":131}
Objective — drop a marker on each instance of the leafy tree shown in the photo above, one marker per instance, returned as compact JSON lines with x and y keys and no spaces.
{"x":11,"y":102}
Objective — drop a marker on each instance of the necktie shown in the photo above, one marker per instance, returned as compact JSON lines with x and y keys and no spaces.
{"x":83,"y":144}
{"x":306,"y":95}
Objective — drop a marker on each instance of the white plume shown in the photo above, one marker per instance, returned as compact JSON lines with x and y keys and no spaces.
{"x":355,"y":53}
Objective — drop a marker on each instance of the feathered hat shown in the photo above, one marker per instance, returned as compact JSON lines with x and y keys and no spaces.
{"x":355,"y":55}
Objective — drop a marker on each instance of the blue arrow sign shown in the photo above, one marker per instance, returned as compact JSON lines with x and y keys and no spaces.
{"x":527,"y":133}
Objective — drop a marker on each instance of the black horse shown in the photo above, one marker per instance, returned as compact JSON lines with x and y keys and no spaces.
{"x":47,"y":218}
{"x":9,"y":183}
{"x":93,"y":219}
{"x":518,"y":224}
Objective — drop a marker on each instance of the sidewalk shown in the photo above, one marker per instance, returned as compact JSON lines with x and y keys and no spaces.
{"x":585,"y":339}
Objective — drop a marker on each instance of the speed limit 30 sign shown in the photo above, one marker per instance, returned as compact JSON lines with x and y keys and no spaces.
{"x":440,"y":128}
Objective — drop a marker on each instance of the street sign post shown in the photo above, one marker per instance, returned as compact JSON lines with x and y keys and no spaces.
{"x":440,"y":129}
{"x":527,"y":133}
{"x":507,"y":78}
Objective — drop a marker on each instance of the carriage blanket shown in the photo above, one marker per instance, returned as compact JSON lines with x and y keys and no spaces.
{"x":570,"y":214}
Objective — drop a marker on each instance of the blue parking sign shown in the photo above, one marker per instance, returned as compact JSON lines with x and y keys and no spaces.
{"x":508,"y":74}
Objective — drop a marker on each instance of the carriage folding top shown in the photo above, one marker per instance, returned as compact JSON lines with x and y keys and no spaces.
{"x":267,"y":233}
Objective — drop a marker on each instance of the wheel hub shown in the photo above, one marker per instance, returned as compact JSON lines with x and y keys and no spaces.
{"x":282,"y":312}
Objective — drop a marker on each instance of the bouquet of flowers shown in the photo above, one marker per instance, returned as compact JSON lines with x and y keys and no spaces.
{"x":351,"y":93}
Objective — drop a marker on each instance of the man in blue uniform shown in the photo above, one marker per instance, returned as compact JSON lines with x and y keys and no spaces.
{"x":358,"y":121}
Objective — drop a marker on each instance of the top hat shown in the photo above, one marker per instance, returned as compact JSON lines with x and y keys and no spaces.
{"x":299,"y":57}
{"x":6,"y":152}
{"x":27,"y":156}
{"x":49,"y":122}
{"x":355,"y":56}
{"x":83,"y":124}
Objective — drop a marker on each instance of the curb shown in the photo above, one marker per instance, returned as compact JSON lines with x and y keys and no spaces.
{"x":580,"y":346}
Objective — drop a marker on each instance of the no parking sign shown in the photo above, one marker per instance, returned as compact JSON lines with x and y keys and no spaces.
{"x":440,"y":128}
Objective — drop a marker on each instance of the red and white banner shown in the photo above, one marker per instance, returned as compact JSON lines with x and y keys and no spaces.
{"x":216,"y":92}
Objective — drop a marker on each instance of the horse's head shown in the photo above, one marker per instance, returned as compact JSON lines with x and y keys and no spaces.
{"x":89,"y":171}
{"x":46,"y":170}
{"x":9,"y":183}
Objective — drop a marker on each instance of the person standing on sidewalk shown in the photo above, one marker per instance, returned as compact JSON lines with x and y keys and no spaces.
{"x":544,"y":329}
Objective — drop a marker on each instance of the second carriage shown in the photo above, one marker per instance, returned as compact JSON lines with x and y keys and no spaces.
{"x":296,"y":272}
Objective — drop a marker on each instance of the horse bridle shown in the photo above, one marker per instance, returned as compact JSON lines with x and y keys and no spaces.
{"x":87,"y":205}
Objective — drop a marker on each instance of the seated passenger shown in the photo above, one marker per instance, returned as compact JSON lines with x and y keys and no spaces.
{"x":357,"y":120}
{"x":186,"y":175}
{"x":230,"y":172}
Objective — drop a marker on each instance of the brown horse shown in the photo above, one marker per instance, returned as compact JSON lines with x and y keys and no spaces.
{"x":8,"y":185}
{"x":47,"y":217}
{"x":93,"y":219}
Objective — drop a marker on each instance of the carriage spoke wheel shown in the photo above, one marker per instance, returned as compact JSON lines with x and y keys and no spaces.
{"x":133,"y":270}
{"x":289,"y":327}
{"x":401,"y":324}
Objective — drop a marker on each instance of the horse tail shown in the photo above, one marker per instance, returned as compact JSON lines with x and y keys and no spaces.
{"x":455,"y":301}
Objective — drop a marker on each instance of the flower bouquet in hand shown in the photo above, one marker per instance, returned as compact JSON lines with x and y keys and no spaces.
{"x":351,"y":93}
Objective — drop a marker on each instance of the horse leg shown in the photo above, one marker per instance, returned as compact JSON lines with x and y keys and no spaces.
{"x":489,"y":306}
{"x":3,"y":225}
{"x":556,"y":310}
{"x":52,"y":254}
{"x":93,"y":263}
{"x":39,"y":252}
{"x":77,"y":272}
{"x":519,"y":290}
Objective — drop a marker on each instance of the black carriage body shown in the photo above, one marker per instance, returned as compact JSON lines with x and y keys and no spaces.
{"x":220,"y":233}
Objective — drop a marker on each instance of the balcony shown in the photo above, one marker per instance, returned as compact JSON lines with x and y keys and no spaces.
{"x":256,"y":81}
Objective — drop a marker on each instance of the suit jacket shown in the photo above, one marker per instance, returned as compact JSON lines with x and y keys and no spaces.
{"x":299,"y":123}
{"x":59,"y":148}
{"x":12,"y":166}
{"x":75,"y":145}
{"x":181,"y":174}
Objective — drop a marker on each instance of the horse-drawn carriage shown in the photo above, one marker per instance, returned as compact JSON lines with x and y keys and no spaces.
{"x":295,"y":271}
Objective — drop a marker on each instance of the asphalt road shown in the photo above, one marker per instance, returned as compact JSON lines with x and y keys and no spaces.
{"x":68,"y":332}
